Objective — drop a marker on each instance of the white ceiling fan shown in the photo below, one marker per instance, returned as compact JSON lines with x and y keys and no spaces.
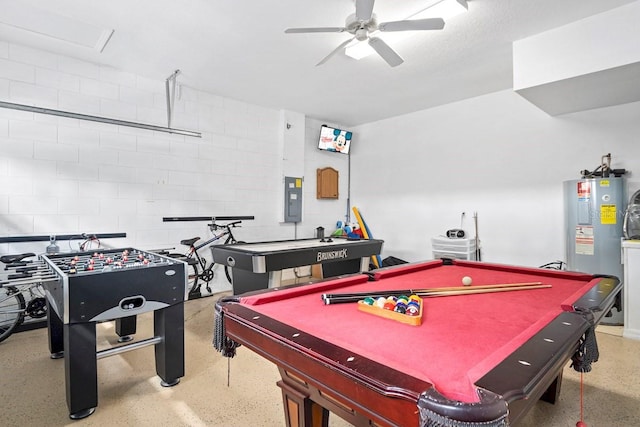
{"x":364,"y":22}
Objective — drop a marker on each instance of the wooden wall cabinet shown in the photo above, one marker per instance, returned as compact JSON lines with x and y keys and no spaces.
{"x":327,"y":183}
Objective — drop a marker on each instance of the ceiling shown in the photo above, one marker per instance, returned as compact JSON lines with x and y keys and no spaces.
{"x":238,"y":49}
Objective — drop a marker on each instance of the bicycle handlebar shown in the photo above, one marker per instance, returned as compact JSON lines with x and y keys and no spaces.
{"x":228,"y":232}
{"x":233,"y":224}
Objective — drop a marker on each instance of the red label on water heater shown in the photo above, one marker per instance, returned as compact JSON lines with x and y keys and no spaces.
{"x":584,"y":190}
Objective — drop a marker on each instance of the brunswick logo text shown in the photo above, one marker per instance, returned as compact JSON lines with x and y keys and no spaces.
{"x":324,"y":256}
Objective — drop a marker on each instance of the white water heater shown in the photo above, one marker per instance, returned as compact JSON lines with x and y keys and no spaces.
{"x":594,"y":216}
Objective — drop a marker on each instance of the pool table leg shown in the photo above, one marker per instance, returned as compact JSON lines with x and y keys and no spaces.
{"x":553,"y":392}
{"x":299,"y":410}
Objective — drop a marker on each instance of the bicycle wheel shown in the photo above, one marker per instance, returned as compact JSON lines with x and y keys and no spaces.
{"x":12,"y":308}
{"x":227,"y":269}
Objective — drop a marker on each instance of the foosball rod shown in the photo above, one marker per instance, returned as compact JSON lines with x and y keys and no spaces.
{"x":24,"y":264}
{"x":28,"y":281}
{"x":20,"y":269}
{"x":26,"y":273}
{"x":9,"y":275}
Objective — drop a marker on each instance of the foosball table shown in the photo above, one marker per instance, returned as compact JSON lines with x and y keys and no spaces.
{"x":112,"y":284}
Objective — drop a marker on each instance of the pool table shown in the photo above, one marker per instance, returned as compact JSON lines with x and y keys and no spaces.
{"x":481,"y":359}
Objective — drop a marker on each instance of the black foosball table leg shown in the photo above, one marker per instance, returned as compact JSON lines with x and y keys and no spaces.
{"x":169,"y":324}
{"x":81,"y":369}
{"x":54,"y":329}
{"x":125,"y":328}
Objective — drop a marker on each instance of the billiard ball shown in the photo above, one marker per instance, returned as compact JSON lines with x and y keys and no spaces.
{"x":369,"y":301}
{"x":413,"y":310}
{"x":400,"y":307}
{"x":466,"y":280}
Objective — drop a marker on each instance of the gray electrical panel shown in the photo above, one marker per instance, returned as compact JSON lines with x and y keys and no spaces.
{"x":292,"y":199}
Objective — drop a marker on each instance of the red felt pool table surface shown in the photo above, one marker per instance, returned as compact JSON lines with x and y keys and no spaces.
{"x":479,"y":359}
{"x":461,"y":337}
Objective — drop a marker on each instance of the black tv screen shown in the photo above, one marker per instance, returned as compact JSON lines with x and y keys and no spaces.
{"x":332,"y":139}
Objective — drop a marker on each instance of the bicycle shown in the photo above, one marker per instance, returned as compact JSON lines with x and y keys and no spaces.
{"x":14,"y":307}
{"x":203,"y":270}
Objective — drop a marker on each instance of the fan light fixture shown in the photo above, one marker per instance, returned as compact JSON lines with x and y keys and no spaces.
{"x":444,"y":9}
{"x":359,"y":49}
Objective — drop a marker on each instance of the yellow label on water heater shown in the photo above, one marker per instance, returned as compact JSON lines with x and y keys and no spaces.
{"x":608,"y":214}
{"x":604,"y":183}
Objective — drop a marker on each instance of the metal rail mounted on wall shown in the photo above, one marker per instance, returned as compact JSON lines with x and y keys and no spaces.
{"x":87,"y":117}
{"x":206,"y":218}
{"x":59,"y":237}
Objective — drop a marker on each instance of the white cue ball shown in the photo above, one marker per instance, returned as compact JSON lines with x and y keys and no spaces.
{"x":466,"y":280}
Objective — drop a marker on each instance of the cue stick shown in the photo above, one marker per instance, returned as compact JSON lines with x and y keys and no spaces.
{"x":427,"y":294}
{"x":481,"y":291}
{"x":431,"y":290}
{"x":415,"y":291}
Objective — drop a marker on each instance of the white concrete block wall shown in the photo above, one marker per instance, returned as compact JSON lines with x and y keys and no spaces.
{"x":16,"y":71}
{"x":66,"y":176}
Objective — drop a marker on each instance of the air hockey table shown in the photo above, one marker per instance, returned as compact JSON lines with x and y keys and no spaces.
{"x":259,"y":265}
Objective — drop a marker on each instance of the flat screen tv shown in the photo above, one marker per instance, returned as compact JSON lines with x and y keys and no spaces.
{"x":336,"y":140}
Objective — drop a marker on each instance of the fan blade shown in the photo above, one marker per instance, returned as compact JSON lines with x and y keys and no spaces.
{"x":364,"y":9}
{"x":334,"y":51}
{"x":385,"y":51}
{"x":315,"y":30}
{"x":413,"y":25}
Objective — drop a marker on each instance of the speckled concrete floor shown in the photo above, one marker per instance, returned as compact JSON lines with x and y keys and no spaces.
{"x":32,"y":385}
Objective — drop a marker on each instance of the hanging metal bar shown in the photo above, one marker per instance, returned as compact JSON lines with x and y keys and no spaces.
{"x":170,"y":86}
{"x":59,"y":113}
{"x":58,"y":237}
{"x":206,"y":218}
{"x":166,"y":85}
